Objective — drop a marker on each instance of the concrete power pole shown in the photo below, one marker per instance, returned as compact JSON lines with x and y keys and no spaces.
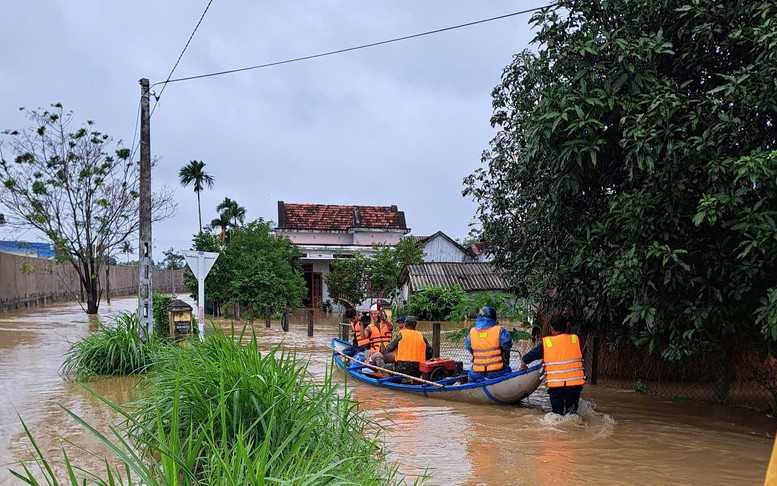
{"x":145,"y":305}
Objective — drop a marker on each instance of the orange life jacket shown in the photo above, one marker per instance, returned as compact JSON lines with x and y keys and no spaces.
{"x":379,"y":338}
{"x":411,"y":347}
{"x":486,"y":351}
{"x":563,"y":360}
{"x":357,"y":332}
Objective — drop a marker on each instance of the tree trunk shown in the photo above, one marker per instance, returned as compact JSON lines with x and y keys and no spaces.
{"x":199,"y":212}
{"x":107,"y":285}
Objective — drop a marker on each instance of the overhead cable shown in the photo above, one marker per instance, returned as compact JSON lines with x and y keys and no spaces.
{"x":355,"y":48}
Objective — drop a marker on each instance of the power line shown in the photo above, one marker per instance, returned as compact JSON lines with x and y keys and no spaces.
{"x":349,"y":49}
{"x":134,"y":147}
{"x":156,"y":97}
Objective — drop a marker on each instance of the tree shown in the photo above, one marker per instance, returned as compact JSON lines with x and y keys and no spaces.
{"x":194,"y":173}
{"x":126,"y":248}
{"x":234,"y":212}
{"x":263,"y":270}
{"x":173,"y":260}
{"x":231,"y":215}
{"x":224,"y":222}
{"x":76,"y":188}
{"x":386,"y":264}
{"x":633,"y":174}
{"x":436,"y":303}
{"x":346,"y":279}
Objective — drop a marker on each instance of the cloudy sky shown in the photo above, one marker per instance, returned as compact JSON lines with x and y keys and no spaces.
{"x":397,"y":124}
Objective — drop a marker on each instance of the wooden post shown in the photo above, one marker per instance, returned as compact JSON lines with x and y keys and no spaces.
{"x":435,"y":339}
{"x":267,"y":316}
{"x":310,"y":323}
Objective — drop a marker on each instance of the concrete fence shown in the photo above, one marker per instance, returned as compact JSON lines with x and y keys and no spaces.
{"x":31,"y":282}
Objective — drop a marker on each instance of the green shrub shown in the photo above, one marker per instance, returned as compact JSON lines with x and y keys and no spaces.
{"x":160,"y":313}
{"x":436,"y":303}
{"x":111,"y":350}
{"x":507,"y":306}
{"x":642,"y":387}
{"x":220,"y":413}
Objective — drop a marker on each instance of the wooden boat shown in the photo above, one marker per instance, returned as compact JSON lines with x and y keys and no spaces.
{"x":504,"y":390}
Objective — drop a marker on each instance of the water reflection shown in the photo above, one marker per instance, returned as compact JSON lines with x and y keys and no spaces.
{"x":620,"y":438}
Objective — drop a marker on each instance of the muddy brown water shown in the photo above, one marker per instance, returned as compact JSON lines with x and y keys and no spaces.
{"x":620,"y":438}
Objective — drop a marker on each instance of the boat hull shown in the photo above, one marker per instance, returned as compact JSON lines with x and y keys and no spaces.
{"x":505,"y":390}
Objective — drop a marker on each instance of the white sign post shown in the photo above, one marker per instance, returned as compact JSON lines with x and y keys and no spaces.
{"x":200,"y":263}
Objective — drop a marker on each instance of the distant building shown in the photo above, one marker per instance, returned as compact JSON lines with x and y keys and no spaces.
{"x":27,"y":248}
{"x":472,"y":277}
{"x":322,"y":231}
{"x":440,"y":247}
{"x":480,"y":252}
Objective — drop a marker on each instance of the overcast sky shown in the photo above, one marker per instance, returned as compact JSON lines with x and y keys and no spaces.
{"x":397,"y":124}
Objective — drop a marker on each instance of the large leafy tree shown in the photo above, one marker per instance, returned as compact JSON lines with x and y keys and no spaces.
{"x":633,"y":174}
{"x":385,"y":265}
{"x":263,"y":270}
{"x":78,"y":188}
{"x":194,"y":173}
{"x":347,"y":279}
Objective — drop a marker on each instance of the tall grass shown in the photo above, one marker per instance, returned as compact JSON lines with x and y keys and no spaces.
{"x":111,"y":350}
{"x":221,"y":413}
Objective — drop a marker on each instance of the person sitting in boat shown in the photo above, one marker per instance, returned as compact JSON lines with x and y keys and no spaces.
{"x":563,"y":365}
{"x":408,"y":348}
{"x":400,"y":323}
{"x":361,"y":342}
{"x":490,"y":346}
{"x":378,"y":331}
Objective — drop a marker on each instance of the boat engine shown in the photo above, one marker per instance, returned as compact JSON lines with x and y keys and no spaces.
{"x":439,"y":368}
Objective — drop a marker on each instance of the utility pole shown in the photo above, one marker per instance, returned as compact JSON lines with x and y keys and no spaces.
{"x":145,"y":306}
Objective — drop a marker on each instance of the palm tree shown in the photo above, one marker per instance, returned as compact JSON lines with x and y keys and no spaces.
{"x":223,"y":222}
{"x":232,"y":210}
{"x":194,"y":172}
{"x":127,"y":248}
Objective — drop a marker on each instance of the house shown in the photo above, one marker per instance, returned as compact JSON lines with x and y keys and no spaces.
{"x":472,"y":277}
{"x":440,"y":247}
{"x":322,"y":231}
{"x":480,"y":252}
{"x":28,"y":249}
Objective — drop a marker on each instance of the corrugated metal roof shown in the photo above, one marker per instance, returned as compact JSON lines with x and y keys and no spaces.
{"x":470,"y":276}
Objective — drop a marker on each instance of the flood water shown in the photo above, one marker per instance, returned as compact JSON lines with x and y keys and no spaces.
{"x":620,"y":438}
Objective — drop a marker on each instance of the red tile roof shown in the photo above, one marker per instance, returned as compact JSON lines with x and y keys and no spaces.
{"x":337,"y":217}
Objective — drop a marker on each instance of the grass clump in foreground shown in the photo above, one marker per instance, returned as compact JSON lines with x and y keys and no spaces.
{"x":111,"y":350}
{"x":220,"y":413}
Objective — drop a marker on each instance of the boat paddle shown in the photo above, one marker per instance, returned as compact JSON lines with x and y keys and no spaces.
{"x":384,"y":370}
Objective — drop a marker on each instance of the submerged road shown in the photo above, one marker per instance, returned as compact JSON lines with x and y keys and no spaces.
{"x":620,"y":438}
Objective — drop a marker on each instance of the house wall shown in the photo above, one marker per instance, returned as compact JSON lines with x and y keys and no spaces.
{"x":440,"y":249}
{"x":318,"y":238}
{"x":381,"y":237}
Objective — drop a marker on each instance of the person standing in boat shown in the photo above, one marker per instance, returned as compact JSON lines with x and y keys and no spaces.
{"x":379,"y":330}
{"x":408,"y":348}
{"x":489,"y":343}
{"x":563,"y":366}
{"x":360,"y":342}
